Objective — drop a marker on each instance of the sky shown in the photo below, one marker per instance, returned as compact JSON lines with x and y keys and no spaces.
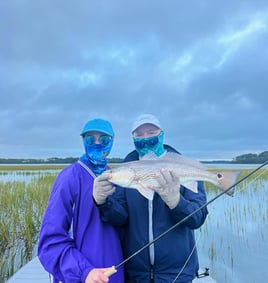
{"x":200,"y":66}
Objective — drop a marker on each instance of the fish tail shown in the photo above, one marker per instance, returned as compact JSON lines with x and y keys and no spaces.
{"x":227,"y":179}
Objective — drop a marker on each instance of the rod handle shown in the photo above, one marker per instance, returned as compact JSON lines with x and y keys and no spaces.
{"x":110,"y":271}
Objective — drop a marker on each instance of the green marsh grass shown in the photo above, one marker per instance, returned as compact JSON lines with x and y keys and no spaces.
{"x":22,"y":205}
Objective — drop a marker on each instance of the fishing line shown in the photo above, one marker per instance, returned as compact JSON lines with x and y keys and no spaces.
{"x":188,"y":258}
{"x":114,"y":268}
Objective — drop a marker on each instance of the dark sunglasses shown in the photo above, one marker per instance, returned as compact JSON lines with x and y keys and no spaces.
{"x":149,"y":142}
{"x":103,"y":140}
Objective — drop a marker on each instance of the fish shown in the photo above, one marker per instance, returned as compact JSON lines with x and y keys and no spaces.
{"x":141,"y":174}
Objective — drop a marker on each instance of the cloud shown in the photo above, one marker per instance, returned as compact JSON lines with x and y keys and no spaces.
{"x":200,"y":66}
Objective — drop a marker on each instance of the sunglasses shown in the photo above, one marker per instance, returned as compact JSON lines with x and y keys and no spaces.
{"x":149,"y":142}
{"x":103,"y":140}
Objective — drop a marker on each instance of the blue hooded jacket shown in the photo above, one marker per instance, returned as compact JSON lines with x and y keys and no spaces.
{"x":73,"y":239}
{"x":130,"y":210}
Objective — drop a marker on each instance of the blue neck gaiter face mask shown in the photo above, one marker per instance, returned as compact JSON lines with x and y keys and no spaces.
{"x":149,"y":145}
{"x":96,"y":156}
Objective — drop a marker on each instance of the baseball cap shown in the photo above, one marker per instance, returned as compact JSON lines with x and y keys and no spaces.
{"x":145,"y":119}
{"x":98,"y":125}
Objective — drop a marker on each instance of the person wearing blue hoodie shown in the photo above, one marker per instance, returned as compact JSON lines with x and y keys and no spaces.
{"x":173,"y":257}
{"x":74,"y":244}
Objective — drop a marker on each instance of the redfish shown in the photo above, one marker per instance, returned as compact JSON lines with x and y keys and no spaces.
{"x":141,"y":174}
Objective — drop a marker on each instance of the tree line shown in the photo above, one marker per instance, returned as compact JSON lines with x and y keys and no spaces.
{"x":52,"y":160}
{"x":252,"y":158}
{"x":249,"y":158}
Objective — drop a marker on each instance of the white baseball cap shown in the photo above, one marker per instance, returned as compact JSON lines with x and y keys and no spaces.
{"x":145,"y":119}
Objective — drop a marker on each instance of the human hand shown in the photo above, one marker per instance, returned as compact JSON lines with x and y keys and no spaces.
{"x":102,"y":188}
{"x":97,"y":275}
{"x":169,"y":188}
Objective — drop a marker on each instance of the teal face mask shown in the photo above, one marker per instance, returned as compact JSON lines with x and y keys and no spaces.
{"x":97,"y":153}
{"x":153,"y":144}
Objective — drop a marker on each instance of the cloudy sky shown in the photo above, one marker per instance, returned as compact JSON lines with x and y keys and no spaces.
{"x":201,"y":66}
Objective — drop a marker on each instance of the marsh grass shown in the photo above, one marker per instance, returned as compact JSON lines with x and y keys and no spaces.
{"x":235,"y":233}
{"x":22,"y":205}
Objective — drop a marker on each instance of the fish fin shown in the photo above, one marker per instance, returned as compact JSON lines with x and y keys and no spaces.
{"x":175,"y":157}
{"x":147,"y":193}
{"x":192,"y":186}
{"x":228,"y":179}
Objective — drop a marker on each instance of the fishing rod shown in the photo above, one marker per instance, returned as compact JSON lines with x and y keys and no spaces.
{"x":114,"y":268}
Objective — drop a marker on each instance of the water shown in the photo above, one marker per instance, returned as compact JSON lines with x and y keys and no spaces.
{"x":25,"y":175}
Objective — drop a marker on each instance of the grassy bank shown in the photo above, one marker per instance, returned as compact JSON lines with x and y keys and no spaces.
{"x":21,"y":209}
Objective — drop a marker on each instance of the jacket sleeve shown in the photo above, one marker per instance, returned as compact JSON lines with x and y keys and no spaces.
{"x":56,"y":247}
{"x":191,"y":208}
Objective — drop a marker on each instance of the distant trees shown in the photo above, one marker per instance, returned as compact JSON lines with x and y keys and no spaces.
{"x":251,"y":158}
{"x":263,"y":157}
{"x":52,"y":160}
{"x":115,"y":160}
{"x":244,"y":158}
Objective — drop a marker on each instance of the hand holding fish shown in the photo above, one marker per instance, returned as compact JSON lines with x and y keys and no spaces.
{"x":169,"y":188}
{"x":102,"y":188}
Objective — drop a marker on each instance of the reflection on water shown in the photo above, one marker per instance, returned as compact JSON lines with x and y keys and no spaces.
{"x":25,"y":175}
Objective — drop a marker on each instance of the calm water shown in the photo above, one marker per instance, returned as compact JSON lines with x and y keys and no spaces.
{"x":233,"y":242}
{"x":24,"y":175}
